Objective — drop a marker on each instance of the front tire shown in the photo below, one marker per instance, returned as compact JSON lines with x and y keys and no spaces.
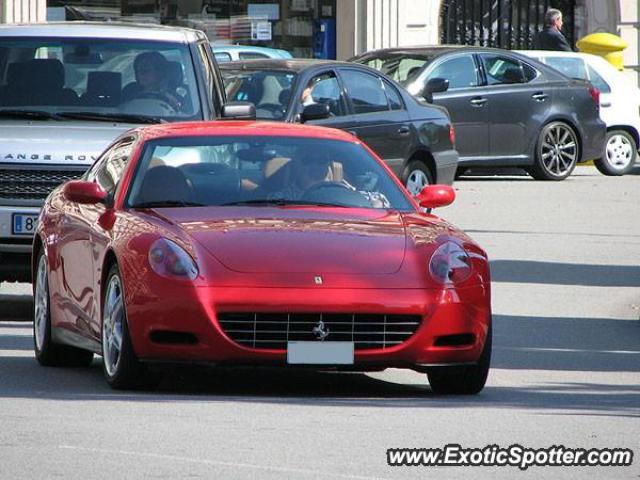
{"x":557,"y":152}
{"x":621,"y":153}
{"x":120,"y":365}
{"x":47,"y":352}
{"x":467,"y":380}
{"x":416,"y":176}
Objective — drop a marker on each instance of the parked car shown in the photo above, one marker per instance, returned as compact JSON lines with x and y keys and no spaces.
{"x":416,"y":140}
{"x":619,"y":104}
{"x":508,"y":110}
{"x":228,"y":53}
{"x":68,"y":89}
{"x":256,"y":243}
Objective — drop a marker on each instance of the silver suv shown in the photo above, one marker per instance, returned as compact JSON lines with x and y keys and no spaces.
{"x":67,"y":90}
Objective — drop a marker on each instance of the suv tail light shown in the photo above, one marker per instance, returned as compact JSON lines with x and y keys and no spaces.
{"x":452,"y":135}
{"x":595,"y":94}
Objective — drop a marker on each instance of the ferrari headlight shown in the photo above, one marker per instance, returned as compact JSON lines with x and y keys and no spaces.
{"x":168,"y":259}
{"x":450,"y":263}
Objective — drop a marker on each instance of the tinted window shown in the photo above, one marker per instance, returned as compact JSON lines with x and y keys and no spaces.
{"x":395,"y":101}
{"x":108,"y":76}
{"x":324,"y":89}
{"x":505,"y":70}
{"x":402,"y":68}
{"x":229,"y":170}
{"x":269,"y":91}
{"x":366,"y":92}
{"x":460,"y":71}
{"x":571,"y":67}
{"x":251,"y":55}
{"x":598,"y":81}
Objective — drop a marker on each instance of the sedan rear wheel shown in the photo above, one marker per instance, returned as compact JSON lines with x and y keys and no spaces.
{"x":557,"y":152}
{"x":47,"y":352}
{"x":121,"y":367}
{"x":620,"y":155}
{"x":416,"y":177}
{"x":466,"y":380}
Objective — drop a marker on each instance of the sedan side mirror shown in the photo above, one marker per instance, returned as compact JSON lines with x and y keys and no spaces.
{"x":434,"y":196}
{"x":79,"y":191}
{"x":435,"y":85}
{"x":238,"y":111}
{"x":315,"y":111}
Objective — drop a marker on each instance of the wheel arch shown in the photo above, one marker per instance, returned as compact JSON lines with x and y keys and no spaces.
{"x":629,"y":129}
{"x":426,"y":157}
{"x":37,"y":246}
{"x":109,"y":261}
{"x":571,"y":123}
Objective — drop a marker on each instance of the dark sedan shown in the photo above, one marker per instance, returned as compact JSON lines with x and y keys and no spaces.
{"x":507,"y":109}
{"x":416,"y":140}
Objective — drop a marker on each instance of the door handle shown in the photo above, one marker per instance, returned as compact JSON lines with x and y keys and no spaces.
{"x":605,"y":105}
{"x":478,"y":101}
{"x":539,"y":96}
{"x":404,"y":131}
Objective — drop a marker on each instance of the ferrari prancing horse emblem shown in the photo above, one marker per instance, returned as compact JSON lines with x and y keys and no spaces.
{"x":318,"y":280}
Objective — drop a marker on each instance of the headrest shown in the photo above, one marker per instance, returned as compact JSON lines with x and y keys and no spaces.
{"x":108,"y":84}
{"x":45,"y":71}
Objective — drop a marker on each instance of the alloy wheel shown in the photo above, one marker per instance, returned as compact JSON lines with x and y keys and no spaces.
{"x":112,"y":325}
{"x":416,"y":181}
{"x":619,"y":152}
{"x":559,"y":150}
{"x":41,"y":302}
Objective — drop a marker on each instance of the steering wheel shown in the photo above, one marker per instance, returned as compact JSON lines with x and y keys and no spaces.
{"x":335,"y":192}
{"x":276,"y":110}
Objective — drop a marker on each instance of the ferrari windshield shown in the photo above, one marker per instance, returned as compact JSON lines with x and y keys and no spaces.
{"x":99,"y":78}
{"x":261,"y":170}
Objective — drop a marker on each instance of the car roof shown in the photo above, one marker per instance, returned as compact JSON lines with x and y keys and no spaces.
{"x":432,"y":50}
{"x":242,"y":128}
{"x":291,"y":64}
{"x":116,"y":30}
{"x":244,"y":48}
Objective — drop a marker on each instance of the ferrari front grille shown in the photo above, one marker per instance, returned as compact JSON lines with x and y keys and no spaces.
{"x":27,"y":184}
{"x":274,"y":330}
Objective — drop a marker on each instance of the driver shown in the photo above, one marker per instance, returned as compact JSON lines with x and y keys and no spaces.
{"x":305,"y":173}
{"x":152,"y":80}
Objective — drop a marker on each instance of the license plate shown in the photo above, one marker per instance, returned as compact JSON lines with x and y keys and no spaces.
{"x":320,"y":353}
{"x":24,"y":223}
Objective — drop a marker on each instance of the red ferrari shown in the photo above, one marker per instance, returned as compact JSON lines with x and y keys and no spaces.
{"x":243,"y":243}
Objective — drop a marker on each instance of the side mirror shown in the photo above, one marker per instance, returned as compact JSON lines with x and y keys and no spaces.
{"x":315,"y":111}
{"x":238,"y":111}
{"x":80,"y":191}
{"x":434,"y":196}
{"x":434,"y":85}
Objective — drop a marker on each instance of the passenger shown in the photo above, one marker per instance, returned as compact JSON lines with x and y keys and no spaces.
{"x":152,"y":80}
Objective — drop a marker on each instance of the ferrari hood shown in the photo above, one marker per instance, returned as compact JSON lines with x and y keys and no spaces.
{"x":297,"y":240}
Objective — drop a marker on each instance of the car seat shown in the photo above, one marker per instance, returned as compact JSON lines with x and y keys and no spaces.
{"x":103,"y":89}
{"x":164,"y":183}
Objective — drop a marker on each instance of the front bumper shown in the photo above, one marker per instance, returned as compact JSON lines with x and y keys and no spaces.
{"x":15,"y":250}
{"x":193,"y":311}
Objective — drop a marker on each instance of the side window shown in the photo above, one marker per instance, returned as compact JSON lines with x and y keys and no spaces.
{"x":504,"y":70}
{"x":108,"y":171}
{"x":598,"y":81}
{"x":251,"y":56}
{"x":366,"y":92}
{"x":461,"y":72}
{"x":222,"y":57}
{"x":324,"y":89}
{"x":395,"y":101}
{"x":571,"y":67}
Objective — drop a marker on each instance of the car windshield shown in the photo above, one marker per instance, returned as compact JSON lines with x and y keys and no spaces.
{"x":106,"y":78}
{"x":268,"y":90}
{"x":261,"y":171}
{"x":403,"y":68}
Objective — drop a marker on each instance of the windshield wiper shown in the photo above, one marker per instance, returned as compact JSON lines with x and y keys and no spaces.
{"x":280,"y":202}
{"x":30,"y":114}
{"x":167,"y":204}
{"x":112,"y":117}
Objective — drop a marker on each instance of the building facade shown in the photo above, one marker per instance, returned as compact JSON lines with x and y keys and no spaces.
{"x":343,"y":28}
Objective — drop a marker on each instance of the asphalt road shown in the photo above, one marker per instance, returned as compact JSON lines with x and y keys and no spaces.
{"x":566,"y":370}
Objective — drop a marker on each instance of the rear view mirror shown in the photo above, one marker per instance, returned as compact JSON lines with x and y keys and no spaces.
{"x":435,"y":85}
{"x":434,"y":196}
{"x":315,"y":111}
{"x":238,"y":111}
{"x":80,"y":191}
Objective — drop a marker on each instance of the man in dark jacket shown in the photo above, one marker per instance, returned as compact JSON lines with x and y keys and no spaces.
{"x":551,"y":38}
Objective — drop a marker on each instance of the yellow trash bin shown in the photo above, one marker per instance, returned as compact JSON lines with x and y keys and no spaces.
{"x":606,"y":45}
